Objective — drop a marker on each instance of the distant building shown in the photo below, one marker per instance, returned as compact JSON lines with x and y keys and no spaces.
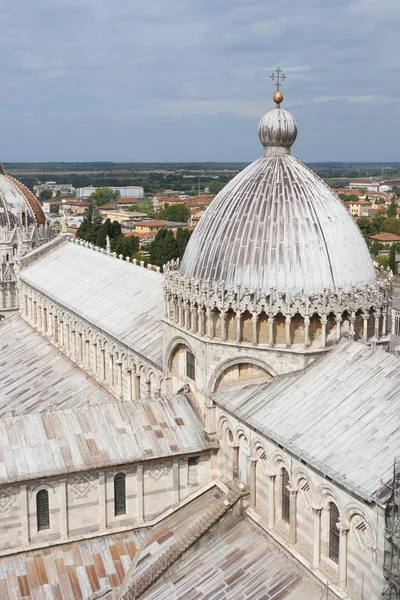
{"x":51,"y":206}
{"x":153,"y":226}
{"x":75,"y":206}
{"x":385,"y":238}
{"x":361,"y":208}
{"x":122,"y":216}
{"x":58,"y":189}
{"x":133,"y":191}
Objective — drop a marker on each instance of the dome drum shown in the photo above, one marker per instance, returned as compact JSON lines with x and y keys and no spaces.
{"x":272,"y":319}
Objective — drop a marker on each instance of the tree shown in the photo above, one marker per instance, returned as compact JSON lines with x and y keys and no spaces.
{"x":163,"y":248}
{"x":45,"y":194}
{"x":127,"y":246}
{"x":376,"y":248}
{"x":392,"y":210}
{"x":216,"y":187}
{"x":176,"y":212}
{"x":392,"y":258}
{"x":103,"y":195}
{"x":104,"y":231}
{"x":182,"y":238}
{"x":381,"y":201}
{"x":383,"y":261}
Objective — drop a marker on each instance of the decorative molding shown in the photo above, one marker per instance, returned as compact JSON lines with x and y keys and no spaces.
{"x":82,"y":485}
{"x":6,"y":500}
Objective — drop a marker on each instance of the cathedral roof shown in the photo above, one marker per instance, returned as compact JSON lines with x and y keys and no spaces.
{"x":121,"y":299}
{"x":341,"y":415}
{"x":278,"y":225}
{"x":18,"y":206}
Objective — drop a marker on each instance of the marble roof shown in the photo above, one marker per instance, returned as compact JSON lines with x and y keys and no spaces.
{"x":341,"y":414}
{"x":121,"y":299}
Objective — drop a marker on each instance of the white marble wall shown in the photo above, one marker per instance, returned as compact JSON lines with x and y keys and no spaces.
{"x":258,"y":461}
{"x":82,"y":504}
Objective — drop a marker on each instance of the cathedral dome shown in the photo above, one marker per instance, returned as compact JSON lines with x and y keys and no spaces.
{"x":18,"y":206}
{"x":277,"y":225}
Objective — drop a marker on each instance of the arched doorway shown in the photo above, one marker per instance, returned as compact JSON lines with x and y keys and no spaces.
{"x":242,"y":372}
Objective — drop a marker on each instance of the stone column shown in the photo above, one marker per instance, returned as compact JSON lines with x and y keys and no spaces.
{"x":111,"y":369}
{"x":254,"y":320}
{"x":175,"y":482}
{"x":24,"y":514}
{"x":271,"y":320}
{"x":103,"y":364}
{"x":384,"y":323}
{"x":377,"y":317}
{"x":253,"y":482}
{"x":316,"y":510}
{"x":306,"y":331}
{"x":338,"y":327}
{"x":193,"y":319}
{"x":63,"y":508}
{"x":147,"y":392}
{"x":324,"y":321}
{"x":223,"y":325}
{"x":343,"y":530}
{"x":293,"y":515}
{"x":238,"y":323}
{"x":187,"y":313}
{"x":287,"y":331}
{"x":139,"y":493}
{"x":180,"y":312}
{"x":271,"y":497}
{"x":120,"y":382}
{"x":365,"y":328}
{"x":176,"y":313}
{"x":74,"y":345}
{"x":352,"y":320}
{"x":62,"y":334}
{"x":235,"y":450}
{"x":209,"y":323}
{"x":87,"y":354}
{"x":200,"y":326}
{"x":102,"y":501}
{"x":129,"y":381}
{"x":94,"y":359}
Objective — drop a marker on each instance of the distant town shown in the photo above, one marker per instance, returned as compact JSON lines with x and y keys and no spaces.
{"x":154,"y":214}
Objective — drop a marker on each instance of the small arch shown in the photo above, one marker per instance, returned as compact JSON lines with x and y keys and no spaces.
{"x":120,"y":494}
{"x":279,"y":330}
{"x":234,"y":369}
{"x":263,"y":328}
{"x":230,"y":325}
{"x":358,"y":324}
{"x":297,"y":335}
{"x":246,"y":327}
{"x":42,"y":510}
{"x":215,"y":323}
{"x":315,"y":329}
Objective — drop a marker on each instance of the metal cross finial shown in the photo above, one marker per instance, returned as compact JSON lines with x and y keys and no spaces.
{"x":279,"y":76}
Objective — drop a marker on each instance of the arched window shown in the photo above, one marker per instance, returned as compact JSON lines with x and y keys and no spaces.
{"x":285,"y":496}
{"x":119,"y":494}
{"x":333,"y":533}
{"x":42,"y":510}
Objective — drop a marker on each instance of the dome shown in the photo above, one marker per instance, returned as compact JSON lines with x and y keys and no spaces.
{"x":277,"y":225}
{"x":18,"y":206}
{"x":277,"y":129}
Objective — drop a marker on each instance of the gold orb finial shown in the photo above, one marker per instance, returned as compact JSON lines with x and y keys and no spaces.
{"x":277,"y":98}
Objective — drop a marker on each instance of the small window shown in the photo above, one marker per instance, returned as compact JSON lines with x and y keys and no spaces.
{"x":285,"y":496}
{"x":42,"y":510}
{"x":190,"y":365}
{"x":193,"y":461}
{"x":333,"y":533}
{"x":119,"y":494}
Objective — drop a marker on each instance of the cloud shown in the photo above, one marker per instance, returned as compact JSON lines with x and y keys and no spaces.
{"x":128,"y":68}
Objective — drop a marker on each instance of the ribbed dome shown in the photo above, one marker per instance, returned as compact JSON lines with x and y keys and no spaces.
{"x":18,"y":206}
{"x":278,"y":225}
{"x":277,"y":128}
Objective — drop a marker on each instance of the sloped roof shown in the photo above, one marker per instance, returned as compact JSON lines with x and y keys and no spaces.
{"x":117,"y":297}
{"x":341,"y":415}
{"x":70,"y":571}
{"x":36,"y":376}
{"x":16,"y":199}
{"x":92,"y":437}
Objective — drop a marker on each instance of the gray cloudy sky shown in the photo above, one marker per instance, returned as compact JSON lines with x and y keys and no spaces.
{"x":188,"y":80}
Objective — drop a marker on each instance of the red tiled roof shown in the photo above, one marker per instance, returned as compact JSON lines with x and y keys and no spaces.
{"x":385,"y":237}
